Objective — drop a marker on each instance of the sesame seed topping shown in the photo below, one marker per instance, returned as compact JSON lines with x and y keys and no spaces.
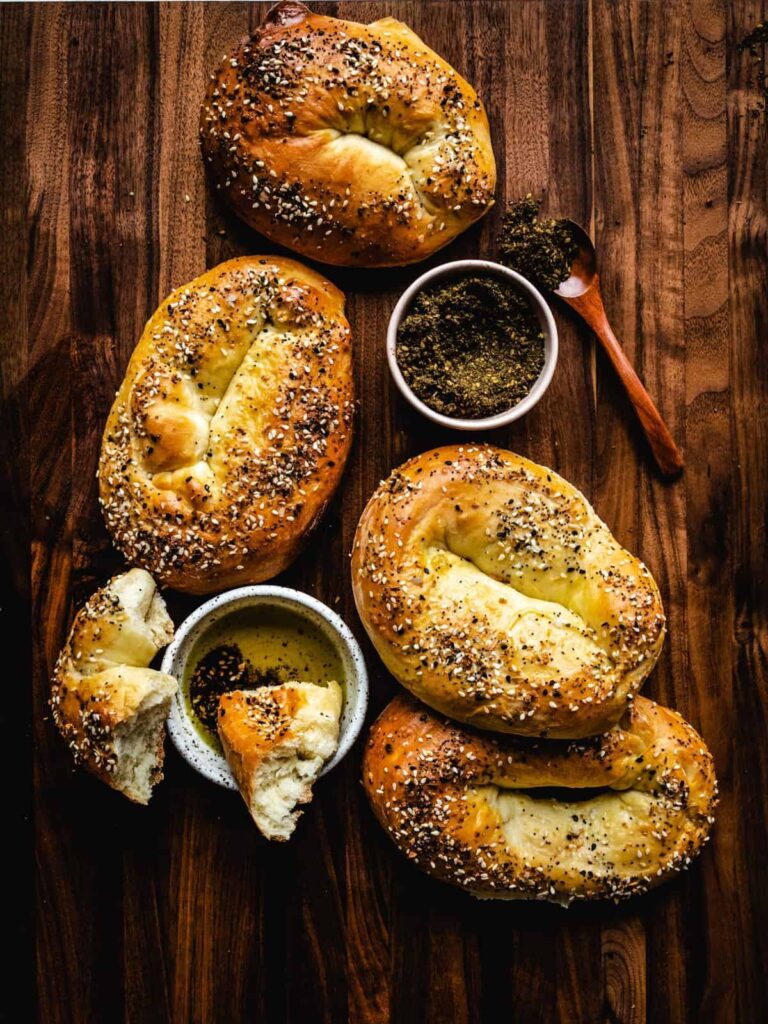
{"x":328,"y":90}
{"x":217,"y":457}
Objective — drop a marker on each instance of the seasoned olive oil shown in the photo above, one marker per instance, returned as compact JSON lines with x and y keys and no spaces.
{"x":273,"y":645}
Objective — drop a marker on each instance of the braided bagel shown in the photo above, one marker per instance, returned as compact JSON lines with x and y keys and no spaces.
{"x":232,"y":426}
{"x":352,"y":144}
{"x":463,"y":806}
{"x":494,"y":593}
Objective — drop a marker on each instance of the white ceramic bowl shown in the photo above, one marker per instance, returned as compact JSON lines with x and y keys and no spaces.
{"x":188,"y":741}
{"x":462,"y":268}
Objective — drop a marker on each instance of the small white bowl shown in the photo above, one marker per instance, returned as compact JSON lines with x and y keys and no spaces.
{"x":463,"y":268}
{"x":188,"y":741}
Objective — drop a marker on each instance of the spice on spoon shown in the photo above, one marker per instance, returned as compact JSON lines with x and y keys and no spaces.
{"x":471,"y":348}
{"x":541,"y":249}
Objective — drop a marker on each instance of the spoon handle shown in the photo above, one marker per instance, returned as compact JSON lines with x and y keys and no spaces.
{"x":665,"y":451}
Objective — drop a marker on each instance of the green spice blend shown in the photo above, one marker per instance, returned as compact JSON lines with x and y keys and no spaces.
{"x":541,"y":250}
{"x":470,"y":348}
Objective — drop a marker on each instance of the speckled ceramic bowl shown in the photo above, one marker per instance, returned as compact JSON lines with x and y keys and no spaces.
{"x":476,"y":268}
{"x":185,"y":736}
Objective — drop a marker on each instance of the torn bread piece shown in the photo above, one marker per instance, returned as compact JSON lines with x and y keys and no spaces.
{"x":107,"y":704}
{"x":276,"y":740}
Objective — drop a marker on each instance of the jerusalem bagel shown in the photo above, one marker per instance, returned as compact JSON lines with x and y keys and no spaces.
{"x":480,"y":813}
{"x":492,"y":591}
{"x":231,"y":428}
{"x":352,"y":144}
{"x":109,"y":707}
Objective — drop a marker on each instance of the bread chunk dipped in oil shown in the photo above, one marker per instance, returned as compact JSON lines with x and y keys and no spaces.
{"x":276,"y":740}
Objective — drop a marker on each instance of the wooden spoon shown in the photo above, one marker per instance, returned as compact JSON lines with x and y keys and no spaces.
{"x":582,"y":292}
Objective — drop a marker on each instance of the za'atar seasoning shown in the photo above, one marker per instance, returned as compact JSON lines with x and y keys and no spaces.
{"x":218,"y":671}
{"x":471,"y":347}
{"x":541,"y":249}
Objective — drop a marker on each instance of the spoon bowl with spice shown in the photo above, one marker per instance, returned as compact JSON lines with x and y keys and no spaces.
{"x":560,"y":257}
{"x":472,"y":345}
{"x":583,"y":264}
{"x":581,"y":290}
{"x":251,"y":637}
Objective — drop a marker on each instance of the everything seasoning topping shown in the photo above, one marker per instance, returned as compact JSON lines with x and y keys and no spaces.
{"x":263,"y":710}
{"x":540,"y":249}
{"x":84,"y":719}
{"x":314,"y":77}
{"x":441,"y":537}
{"x":471,"y":348}
{"x":238,"y":413}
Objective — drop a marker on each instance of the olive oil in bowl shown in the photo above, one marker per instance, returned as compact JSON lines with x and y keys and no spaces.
{"x":251,"y":636}
{"x":252,"y":646}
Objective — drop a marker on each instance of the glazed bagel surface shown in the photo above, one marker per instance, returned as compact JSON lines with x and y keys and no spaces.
{"x":352,"y":144}
{"x":492,"y":591}
{"x":230,"y":431}
{"x":479,"y":812}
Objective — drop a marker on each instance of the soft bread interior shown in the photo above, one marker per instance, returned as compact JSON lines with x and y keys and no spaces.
{"x":107,"y":703}
{"x":138,"y":747}
{"x":280,"y":783}
{"x":277,"y":739}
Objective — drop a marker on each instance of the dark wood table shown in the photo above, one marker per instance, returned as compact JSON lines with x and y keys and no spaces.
{"x":643,"y":122}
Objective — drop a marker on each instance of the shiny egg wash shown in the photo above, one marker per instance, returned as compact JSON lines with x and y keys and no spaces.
{"x":253,"y":647}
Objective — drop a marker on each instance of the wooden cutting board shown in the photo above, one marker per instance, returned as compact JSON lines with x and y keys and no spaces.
{"x":639,"y":120}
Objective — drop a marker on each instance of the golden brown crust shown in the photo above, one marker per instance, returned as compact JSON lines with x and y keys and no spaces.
{"x":494,"y":593}
{"x":252,"y":724}
{"x":101,"y":680}
{"x":352,"y":144}
{"x":231,"y":429}
{"x":463,"y":807}
{"x":293,"y":719}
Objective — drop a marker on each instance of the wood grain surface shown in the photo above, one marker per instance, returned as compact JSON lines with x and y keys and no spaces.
{"x":642,"y":121}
